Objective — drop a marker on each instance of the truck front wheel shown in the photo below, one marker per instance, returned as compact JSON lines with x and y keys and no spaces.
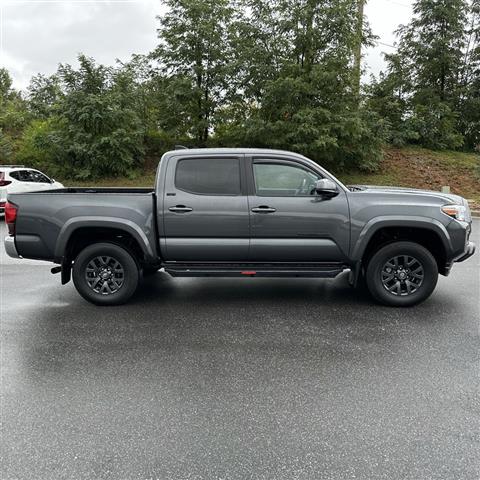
{"x":105,"y":274}
{"x":402,"y":274}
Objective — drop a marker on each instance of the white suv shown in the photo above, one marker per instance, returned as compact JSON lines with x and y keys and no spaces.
{"x":19,"y":179}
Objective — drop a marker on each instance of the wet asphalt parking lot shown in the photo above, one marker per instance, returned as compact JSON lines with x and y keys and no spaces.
{"x":238,"y":379}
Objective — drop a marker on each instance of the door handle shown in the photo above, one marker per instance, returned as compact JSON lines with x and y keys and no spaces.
{"x":264,"y":209}
{"x":180,"y":209}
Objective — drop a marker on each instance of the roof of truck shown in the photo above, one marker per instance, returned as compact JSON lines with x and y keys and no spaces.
{"x":234,"y":151}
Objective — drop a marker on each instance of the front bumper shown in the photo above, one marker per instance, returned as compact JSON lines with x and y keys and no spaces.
{"x":10,"y":247}
{"x":469,"y":251}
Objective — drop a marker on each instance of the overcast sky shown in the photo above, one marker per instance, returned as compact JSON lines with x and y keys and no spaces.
{"x":36,"y":35}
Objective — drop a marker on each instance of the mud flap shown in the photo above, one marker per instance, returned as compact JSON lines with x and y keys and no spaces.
{"x":66,"y":273}
{"x":354,"y":274}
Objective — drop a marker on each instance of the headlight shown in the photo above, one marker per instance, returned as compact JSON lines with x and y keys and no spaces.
{"x":455,"y":211}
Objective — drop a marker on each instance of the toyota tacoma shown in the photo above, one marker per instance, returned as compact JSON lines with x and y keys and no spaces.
{"x":242,"y":212}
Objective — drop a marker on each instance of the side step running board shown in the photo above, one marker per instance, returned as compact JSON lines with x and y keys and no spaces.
{"x":327,"y":270}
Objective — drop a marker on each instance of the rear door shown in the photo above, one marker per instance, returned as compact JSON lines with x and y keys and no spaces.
{"x":22,"y":181}
{"x":289,"y":221}
{"x":205,"y":209}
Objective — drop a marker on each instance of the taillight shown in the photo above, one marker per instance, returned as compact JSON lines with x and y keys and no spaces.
{"x":11,"y":217}
{"x":3,"y":182}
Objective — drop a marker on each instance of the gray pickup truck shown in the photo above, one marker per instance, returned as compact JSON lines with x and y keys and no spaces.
{"x":242,"y":212}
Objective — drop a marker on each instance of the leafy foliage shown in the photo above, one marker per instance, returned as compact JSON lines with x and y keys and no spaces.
{"x":194,"y":55}
{"x":428,"y":94}
{"x":95,"y":129}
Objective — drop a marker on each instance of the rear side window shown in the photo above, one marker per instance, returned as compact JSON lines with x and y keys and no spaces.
{"x":209,"y":176}
{"x":21,"y":175}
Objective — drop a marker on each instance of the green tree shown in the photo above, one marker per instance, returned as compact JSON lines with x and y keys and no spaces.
{"x":95,"y":129}
{"x":421,"y":93}
{"x":301,"y":94}
{"x":194,"y":55}
{"x":470,"y":82}
{"x":13,"y":117}
{"x":44,"y":93}
{"x":433,"y":45}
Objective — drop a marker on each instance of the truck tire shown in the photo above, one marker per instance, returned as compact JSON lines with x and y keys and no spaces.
{"x":105,"y":274}
{"x":402,"y":274}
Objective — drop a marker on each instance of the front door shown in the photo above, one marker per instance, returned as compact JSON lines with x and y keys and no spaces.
{"x":205,"y":210}
{"x":289,"y":221}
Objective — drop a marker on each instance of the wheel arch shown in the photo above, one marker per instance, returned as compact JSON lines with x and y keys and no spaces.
{"x":427,"y":232}
{"x":77,"y":233}
{"x":101,"y":228}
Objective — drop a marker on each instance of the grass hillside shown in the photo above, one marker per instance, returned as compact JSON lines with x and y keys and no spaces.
{"x":422,"y":168}
{"x":404,"y":167}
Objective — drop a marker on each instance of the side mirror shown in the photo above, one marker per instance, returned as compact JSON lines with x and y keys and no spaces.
{"x":326,"y":187}
{"x":52,"y":180}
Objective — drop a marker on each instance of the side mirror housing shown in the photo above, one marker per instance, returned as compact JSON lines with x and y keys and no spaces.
{"x":326,"y":187}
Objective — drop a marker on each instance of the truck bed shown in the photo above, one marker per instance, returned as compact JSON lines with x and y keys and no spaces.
{"x":46,"y":219}
{"x":111,"y":190}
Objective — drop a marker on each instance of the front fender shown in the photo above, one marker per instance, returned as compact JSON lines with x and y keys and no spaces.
{"x":375,"y":224}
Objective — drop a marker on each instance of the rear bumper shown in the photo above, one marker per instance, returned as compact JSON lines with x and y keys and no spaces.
{"x":469,"y":251}
{"x":10,"y":247}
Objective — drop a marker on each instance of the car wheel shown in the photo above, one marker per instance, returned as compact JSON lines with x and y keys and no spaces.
{"x":105,"y":274}
{"x":402,"y":274}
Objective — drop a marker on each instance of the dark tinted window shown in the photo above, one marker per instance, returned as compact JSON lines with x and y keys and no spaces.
{"x":38,"y":177}
{"x":209,"y":176}
{"x":21,"y":175}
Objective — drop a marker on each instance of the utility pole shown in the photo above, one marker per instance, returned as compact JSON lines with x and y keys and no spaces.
{"x":357,"y":53}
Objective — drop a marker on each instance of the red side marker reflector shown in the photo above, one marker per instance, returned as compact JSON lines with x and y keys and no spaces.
{"x":249,"y":272}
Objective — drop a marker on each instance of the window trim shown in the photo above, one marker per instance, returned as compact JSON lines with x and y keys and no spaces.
{"x":207,"y":157}
{"x":290,"y":163}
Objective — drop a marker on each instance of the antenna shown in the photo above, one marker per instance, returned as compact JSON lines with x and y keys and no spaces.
{"x":181,"y":147}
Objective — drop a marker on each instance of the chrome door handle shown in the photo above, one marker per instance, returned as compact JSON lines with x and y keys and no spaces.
{"x":180,"y":209}
{"x":264,"y":209}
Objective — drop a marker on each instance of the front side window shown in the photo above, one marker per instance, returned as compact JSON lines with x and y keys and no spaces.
{"x":38,"y":177}
{"x":282,"y":180}
{"x":209,"y":176}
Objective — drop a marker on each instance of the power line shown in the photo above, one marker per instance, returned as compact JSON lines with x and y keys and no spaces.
{"x":400,"y":4}
{"x":386,"y":44}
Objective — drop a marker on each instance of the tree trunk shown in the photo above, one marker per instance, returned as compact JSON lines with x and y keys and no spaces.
{"x":357,"y":53}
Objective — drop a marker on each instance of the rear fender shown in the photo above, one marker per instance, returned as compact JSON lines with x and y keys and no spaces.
{"x":127,"y":226}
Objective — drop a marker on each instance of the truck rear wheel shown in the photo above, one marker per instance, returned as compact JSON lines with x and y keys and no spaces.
{"x":105,"y":274}
{"x":402,"y":274}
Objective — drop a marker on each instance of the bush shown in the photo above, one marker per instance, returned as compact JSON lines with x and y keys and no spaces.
{"x":38,"y":147}
{"x":435,"y":125}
